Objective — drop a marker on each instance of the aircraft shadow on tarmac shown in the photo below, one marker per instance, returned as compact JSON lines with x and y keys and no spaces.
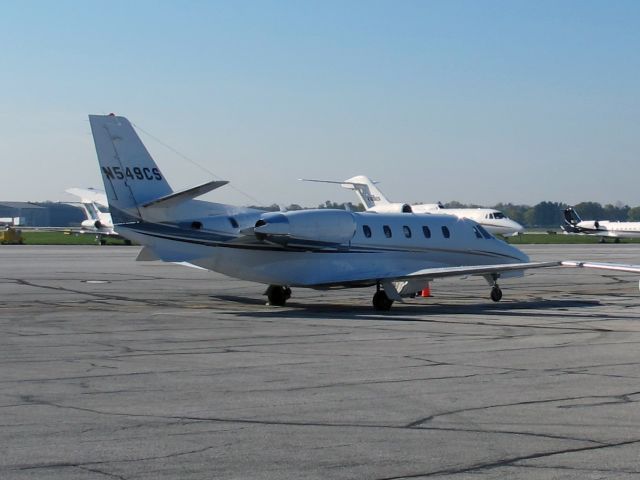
{"x":527,"y":308}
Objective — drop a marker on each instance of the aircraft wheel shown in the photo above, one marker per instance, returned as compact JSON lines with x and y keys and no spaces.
{"x":496,"y":293}
{"x":381,"y":301}
{"x":278,"y":295}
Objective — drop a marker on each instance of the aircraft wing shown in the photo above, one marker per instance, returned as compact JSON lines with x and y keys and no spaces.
{"x":432,"y":273}
{"x":617,"y":267}
{"x":89,"y":195}
{"x":428,"y":274}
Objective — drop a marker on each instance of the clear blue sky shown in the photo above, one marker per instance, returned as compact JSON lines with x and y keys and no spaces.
{"x":476,"y":101}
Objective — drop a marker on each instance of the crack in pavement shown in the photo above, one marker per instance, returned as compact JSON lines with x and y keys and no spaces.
{"x":107,"y":462}
{"x":193,"y":419}
{"x":423,"y":420}
{"x":101,"y":472}
{"x":508,"y":461}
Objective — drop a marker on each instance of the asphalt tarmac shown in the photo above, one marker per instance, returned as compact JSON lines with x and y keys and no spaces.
{"x":112,"y":368}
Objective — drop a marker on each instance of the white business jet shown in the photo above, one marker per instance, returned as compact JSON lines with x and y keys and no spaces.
{"x":95,"y":206}
{"x":398,"y":253}
{"x":602,"y":228}
{"x":374,"y":200}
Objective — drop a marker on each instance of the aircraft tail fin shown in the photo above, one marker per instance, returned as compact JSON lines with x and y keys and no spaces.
{"x":571,"y":217}
{"x":366,"y":190}
{"x":131,"y":177}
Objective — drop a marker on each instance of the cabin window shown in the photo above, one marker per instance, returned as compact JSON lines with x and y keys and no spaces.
{"x":445,"y":232}
{"x":477,"y":232}
{"x":233,"y":222}
{"x":387,"y":231}
{"x":196,"y":225}
{"x":366,"y":230}
{"x":426,"y":231}
{"x":407,"y":231}
{"x":484,"y":233}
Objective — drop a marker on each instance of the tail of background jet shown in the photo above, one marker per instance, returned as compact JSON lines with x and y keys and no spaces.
{"x":571,"y":220}
{"x":368,"y":194}
{"x":366,"y":190}
{"x":131,"y":177}
{"x":571,"y":217}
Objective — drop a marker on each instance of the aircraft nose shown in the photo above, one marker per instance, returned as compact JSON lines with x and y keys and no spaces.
{"x":517,"y":227}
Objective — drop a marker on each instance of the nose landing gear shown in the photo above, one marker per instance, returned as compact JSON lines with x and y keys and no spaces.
{"x":278,"y":295}
{"x":496,"y":293}
{"x":492,"y":280}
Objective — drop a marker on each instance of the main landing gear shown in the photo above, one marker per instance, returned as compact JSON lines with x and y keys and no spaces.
{"x":381,"y":301}
{"x":278,"y":295}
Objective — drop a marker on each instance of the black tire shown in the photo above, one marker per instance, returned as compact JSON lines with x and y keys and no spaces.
{"x":277,"y":295}
{"x":496,"y":294}
{"x":381,"y":301}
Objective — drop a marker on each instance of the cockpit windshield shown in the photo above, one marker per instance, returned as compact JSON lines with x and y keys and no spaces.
{"x":498,"y":215}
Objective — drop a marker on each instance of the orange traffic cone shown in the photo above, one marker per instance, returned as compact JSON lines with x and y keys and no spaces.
{"x":426,"y":291}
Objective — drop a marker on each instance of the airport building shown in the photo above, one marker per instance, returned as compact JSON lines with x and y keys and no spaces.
{"x":47,"y":214}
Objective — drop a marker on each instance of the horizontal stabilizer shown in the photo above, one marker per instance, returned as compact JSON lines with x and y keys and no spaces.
{"x":179,"y":197}
{"x":344,"y":184}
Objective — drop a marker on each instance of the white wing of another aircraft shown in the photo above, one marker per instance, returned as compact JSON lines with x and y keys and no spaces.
{"x":398,"y":253}
{"x":90,"y":195}
{"x":374,"y":200}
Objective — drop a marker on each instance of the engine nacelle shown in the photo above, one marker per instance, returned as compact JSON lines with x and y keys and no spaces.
{"x":392,"y":208}
{"x":589,"y":224}
{"x":320,"y":227}
{"x":91,"y":224}
{"x":426,"y":208}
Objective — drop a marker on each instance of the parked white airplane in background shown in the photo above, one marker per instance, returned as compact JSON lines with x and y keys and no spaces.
{"x":399,"y":253}
{"x":601,"y":228}
{"x":374,"y":200}
{"x":95,"y":206}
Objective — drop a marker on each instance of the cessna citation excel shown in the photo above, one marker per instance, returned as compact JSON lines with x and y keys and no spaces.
{"x":398,"y":253}
{"x":375,"y":201}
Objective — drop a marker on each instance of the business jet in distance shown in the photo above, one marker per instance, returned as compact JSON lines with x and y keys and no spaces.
{"x":95,"y":206}
{"x":398,"y":253}
{"x":602,"y":228}
{"x":374,"y":200}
